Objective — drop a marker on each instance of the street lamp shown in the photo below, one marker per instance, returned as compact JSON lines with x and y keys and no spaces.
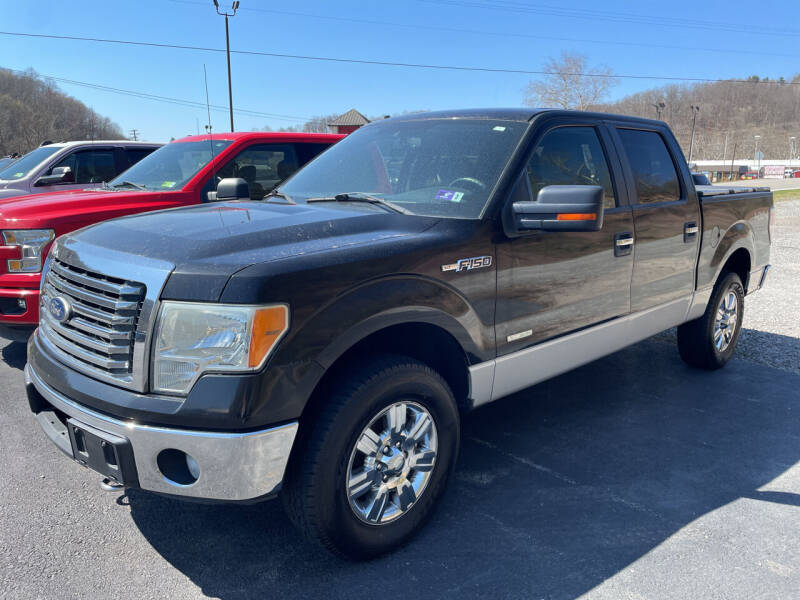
{"x":234,"y":8}
{"x":756,"y":156}
{"x":695,"y":110}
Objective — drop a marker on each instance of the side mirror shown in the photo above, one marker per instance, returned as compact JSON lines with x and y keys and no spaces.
{"x":562,"y":208}
{"x":233,"y":188}
{"x":58,"y":175}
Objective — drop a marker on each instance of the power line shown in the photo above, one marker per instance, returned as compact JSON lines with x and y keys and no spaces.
{"x":503,"y":34}
{"x":598,"y":15}
{"x":167,"y":99}
{"x":398,"y":64}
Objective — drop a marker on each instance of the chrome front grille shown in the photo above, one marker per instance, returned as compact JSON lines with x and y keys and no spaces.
{"x":98,"y":329}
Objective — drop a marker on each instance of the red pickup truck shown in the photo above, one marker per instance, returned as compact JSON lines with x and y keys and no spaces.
{"x":181,"y":173}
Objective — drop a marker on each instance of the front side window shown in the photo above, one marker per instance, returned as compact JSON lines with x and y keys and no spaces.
{"x":171,"y":166}
{"x":433,"y":167}
{"x":653,"y":170}
{"x":90,"y":166}
{"x":23,"y":166}
{"x":262,"y":166}
{"x":570,"y":156}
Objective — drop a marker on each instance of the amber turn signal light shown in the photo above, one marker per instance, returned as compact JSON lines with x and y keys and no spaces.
{"x":577,"y":217}
{"x":269,"y":325}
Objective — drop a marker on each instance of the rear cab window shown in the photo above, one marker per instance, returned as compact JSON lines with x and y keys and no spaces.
{"x":653,"y":169}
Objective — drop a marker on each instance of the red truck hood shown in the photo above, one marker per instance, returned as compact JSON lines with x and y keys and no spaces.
{"x":71,"y":208}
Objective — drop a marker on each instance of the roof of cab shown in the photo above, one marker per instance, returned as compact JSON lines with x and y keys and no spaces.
{"x":263,"y":135}
{"x":513,"y":114}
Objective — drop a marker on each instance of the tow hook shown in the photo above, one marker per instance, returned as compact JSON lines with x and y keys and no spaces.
{"x":109,"y":485}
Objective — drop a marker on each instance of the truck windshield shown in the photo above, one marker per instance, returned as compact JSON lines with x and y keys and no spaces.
{"x":22,"y":166}
{"x":171,"y":166}
{"x":432,"y":167}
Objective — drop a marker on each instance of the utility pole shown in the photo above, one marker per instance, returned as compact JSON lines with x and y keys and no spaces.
{"x":659,"y":106}
{"x":733,"y":158}
{"x":134,"y":133}
{"x":791,"y":149}
{"x":756,"y":156}
{"x":234,"y":8}
{"x":695,"y":110}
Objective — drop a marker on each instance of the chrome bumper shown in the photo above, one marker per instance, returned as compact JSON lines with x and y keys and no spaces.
{"x":233,"y":466}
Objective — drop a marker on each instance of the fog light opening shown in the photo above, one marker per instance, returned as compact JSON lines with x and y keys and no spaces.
{"x":177,"y":467}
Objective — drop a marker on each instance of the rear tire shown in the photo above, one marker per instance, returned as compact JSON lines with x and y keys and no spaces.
{"x":710,"y":341}
{"x":370,"y":470}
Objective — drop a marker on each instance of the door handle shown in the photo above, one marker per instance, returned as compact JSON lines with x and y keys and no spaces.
{"x":690,"y":230}
{"x":623,"y":243}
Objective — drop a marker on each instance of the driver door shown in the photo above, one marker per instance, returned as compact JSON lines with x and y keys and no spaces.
{"x":550,"y":283}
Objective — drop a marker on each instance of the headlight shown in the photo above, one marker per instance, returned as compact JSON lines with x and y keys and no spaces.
{"x":192,"y":339}
{"x":31,"y":242}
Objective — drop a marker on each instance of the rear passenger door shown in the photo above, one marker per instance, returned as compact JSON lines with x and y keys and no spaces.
{"x":550,"y":283}
{"x":666,"y":218}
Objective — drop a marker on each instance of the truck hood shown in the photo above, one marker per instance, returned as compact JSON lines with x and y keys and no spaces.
{"x":11,"y":192}
{"x":208,"y":243}
{"x":76,"y":206}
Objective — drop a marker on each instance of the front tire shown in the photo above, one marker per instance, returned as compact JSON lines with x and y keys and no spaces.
{"x":373,"y":466}
{"x":710,"y":341}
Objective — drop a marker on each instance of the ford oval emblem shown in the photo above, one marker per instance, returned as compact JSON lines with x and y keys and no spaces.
{"x":60,"y":309}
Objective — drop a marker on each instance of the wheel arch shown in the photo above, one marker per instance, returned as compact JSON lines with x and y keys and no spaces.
{"x":734,"y":253}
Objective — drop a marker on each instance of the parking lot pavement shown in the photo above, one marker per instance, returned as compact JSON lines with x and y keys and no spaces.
{"x":631,"y":477}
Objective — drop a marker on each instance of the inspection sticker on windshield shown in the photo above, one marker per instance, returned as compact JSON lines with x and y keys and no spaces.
{"x":449,"y":195}
{"x":167,"y":184}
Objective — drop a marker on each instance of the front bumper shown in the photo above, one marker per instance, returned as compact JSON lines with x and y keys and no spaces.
{"x":19,"y":307}
{"x":232,"y":466}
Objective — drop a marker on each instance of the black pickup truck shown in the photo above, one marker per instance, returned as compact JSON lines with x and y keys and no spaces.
{"x":321,"y":344}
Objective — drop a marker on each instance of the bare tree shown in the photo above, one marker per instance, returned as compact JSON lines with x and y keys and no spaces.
{"x":33,"y":109}
{"x":570,"y":83}
{"x":733,"y":113}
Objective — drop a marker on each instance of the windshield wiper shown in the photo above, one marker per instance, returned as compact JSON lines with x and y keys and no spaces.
{"x":129,"y":184}
{"x":278,"y":194}
{"x":359,"y":197}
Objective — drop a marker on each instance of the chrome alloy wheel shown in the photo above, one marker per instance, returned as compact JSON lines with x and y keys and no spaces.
{"x":391,"y":463}
{"x":725,"y":323}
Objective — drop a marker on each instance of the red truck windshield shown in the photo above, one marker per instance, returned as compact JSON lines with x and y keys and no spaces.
{"x":171,"y":166}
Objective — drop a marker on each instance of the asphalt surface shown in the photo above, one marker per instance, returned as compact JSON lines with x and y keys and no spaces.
{"x":633,"y":477}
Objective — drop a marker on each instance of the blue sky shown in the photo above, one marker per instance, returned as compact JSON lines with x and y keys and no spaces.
{"x":512,"y":34}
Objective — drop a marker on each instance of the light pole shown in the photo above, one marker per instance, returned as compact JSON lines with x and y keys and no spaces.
{"x":234,"y":8}
{"x":695,"y":110}
{"x":791,"y":149}
{"x":756,"y":156}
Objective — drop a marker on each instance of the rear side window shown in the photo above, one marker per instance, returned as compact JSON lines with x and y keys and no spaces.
{"x":570,"y":156}
{"x":653,"y":170}
{"x":308,"y":151}
{"x":134,"y":155}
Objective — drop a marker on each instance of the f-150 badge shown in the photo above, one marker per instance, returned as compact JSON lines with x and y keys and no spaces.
{"x":467,"y":264}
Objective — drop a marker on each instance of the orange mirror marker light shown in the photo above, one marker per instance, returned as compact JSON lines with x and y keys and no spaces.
{"x":577,"y":217}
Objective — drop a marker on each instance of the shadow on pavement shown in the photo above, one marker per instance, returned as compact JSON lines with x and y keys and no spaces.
{"x":557,"y":489}
{"x":15,"y":354}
